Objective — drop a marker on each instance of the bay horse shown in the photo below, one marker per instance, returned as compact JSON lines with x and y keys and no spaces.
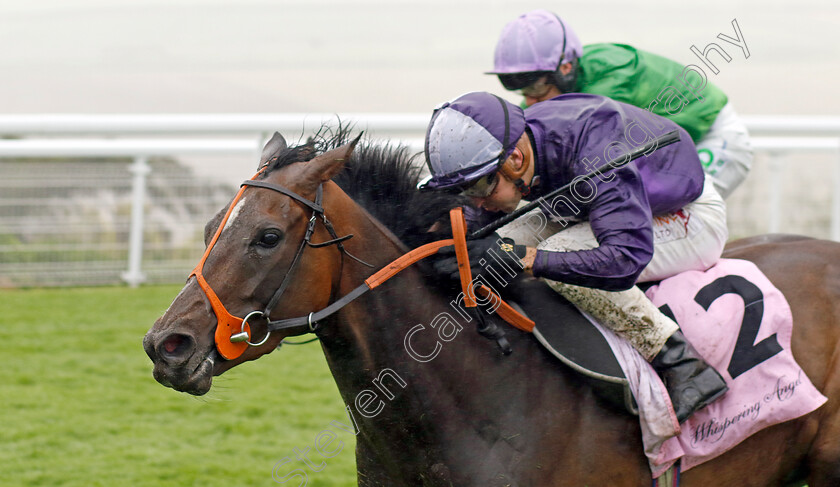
{"x":456,"y":411}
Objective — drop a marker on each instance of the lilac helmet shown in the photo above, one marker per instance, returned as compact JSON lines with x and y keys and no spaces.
{"x":470,"y":137}
{"x":535,"y":41}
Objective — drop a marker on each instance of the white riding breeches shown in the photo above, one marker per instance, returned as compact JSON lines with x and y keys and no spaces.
{"x":690,"y":239}
{"x":726,"y":152}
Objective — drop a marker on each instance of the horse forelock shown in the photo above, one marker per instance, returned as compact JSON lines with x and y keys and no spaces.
{"x":382,"y":178}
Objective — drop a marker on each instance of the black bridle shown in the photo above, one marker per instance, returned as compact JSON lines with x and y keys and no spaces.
{"x":230,"y":343}
{"x":317,"y":212}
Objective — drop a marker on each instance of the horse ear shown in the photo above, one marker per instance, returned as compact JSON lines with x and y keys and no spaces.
{"x":272,"y":148}
{"x":328,"y":164}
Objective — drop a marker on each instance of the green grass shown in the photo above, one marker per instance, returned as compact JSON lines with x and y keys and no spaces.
{"x":79,"y":405}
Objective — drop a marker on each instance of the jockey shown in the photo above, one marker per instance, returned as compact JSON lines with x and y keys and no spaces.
{"x":647,"y":220}
{"x":541,"y":56}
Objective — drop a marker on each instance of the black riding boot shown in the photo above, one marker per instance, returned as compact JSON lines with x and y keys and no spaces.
{"x":692,"y":384}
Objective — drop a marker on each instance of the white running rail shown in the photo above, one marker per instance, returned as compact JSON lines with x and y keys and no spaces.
{"x":140,"y":137}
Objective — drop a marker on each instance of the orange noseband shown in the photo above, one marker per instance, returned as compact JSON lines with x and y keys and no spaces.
{"x":227,"y":324}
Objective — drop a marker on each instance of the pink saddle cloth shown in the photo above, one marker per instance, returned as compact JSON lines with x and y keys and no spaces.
{"x":741,"y":324}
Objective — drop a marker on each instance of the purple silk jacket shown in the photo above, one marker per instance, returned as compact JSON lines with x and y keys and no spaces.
{"x":575,"y":133}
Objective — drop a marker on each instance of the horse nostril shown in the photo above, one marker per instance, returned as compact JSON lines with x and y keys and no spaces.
{"x":176,"y":347}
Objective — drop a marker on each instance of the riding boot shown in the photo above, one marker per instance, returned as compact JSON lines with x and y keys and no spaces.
{"x":692,"y":383}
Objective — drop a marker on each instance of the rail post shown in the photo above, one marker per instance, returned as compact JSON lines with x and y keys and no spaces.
{"x":139,"y":169}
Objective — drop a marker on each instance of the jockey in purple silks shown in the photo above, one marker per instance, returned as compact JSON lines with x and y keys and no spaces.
{"x":540,"y":56}
{"x":643,"y":221}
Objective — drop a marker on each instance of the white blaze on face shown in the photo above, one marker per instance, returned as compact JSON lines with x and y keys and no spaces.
{"x":235,"y":213}
{"x":178,"y":296}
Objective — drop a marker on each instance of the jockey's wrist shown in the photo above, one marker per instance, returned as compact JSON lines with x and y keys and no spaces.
{"x":528,"y":260}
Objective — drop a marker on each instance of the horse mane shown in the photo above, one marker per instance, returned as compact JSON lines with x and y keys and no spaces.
{"x":382,"y":178}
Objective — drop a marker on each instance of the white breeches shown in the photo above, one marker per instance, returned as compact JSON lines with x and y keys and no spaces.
{"x":726,"y":152}
{"x":690,"y":239}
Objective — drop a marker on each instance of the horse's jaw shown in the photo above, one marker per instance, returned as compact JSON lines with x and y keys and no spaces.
{"x":193,"y":376}
{"x":197,"y":383}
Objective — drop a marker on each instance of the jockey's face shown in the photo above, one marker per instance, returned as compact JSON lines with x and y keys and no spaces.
{"x":543,"y":89}
{"x":539,"y":91}
{"x":505,"y":196}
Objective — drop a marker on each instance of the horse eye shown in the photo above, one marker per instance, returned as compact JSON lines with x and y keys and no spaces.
{"x":269,"y":239}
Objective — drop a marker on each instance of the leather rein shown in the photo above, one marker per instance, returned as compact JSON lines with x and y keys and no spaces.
{"x":233,"y":334}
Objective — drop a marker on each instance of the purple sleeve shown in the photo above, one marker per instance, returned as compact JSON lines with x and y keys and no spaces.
{"x":621,"y":221}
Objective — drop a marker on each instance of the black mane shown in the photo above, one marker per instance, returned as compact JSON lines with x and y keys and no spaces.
{"x":383,"y":178}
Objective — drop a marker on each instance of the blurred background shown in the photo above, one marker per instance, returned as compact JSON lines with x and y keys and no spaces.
{"x":302,"y":56}
{"x":114,"y":96}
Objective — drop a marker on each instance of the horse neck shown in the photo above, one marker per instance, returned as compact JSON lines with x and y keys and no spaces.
{"x":463,"y":409}
{"x":364,"y":323}
{"x":366,"y":349}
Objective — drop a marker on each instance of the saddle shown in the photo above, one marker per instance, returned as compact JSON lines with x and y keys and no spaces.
{"x":530,"y":305}
{"x":570,"y":337}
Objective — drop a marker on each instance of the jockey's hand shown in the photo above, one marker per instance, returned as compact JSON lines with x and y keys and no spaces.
{"x":501,"y":254}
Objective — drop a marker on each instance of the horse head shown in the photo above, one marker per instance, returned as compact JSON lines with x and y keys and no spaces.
{"x":254,"y":248}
